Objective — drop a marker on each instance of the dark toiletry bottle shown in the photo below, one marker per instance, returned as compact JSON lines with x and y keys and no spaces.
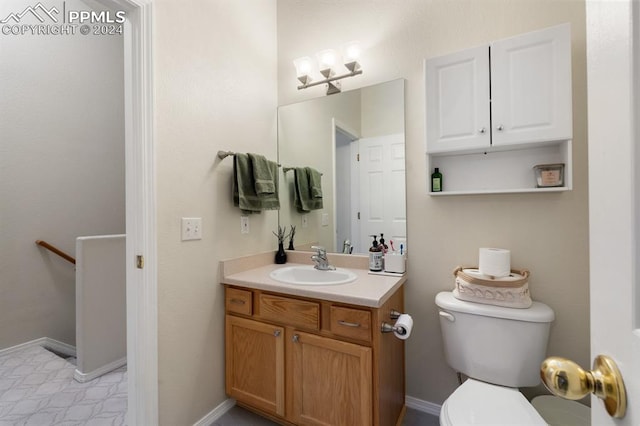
{"x":385,"y":247}
{"x":436,"y":181}
{"x":375,"y":256}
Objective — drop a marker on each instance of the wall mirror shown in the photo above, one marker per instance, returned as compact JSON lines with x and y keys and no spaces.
{"x":356,"y":140}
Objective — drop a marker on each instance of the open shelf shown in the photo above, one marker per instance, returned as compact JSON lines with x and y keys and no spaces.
{"x":499,"y":171}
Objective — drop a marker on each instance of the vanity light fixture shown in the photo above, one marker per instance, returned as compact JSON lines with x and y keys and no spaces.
{"x":328,"y":61}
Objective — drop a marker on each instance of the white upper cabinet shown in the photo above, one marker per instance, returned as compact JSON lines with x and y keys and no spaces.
{"x":514,"y":91}
{"x":458,"y":101}
{"x":497,"y":113}
{"x":531,"y":87}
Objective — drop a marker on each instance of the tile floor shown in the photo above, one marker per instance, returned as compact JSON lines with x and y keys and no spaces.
{"x":238,"y":416}
{"x":37,"y":388}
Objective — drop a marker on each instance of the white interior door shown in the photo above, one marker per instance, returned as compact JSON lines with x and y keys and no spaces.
{"x":614,"y":204}
{"x":382,"y":190}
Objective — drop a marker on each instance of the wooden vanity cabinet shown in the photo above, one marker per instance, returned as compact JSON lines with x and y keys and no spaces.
{"x":305,"y":361}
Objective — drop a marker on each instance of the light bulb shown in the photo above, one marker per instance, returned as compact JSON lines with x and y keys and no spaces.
{"x":351,"y":51}
{"x":327,"y":59}
{"x":303,"y":69}
{"x":303,"y":66}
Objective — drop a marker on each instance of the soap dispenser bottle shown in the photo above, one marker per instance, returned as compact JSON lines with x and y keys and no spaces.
{"x":385,"y":248}
{"x":375,"y":255}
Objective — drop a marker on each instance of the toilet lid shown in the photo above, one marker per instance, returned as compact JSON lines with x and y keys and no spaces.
{"x":479,"y":403}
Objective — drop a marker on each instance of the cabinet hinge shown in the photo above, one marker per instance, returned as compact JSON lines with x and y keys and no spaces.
{"x":358,"y":157}
{"x":358,"y":215}
{"x":139,"y":261}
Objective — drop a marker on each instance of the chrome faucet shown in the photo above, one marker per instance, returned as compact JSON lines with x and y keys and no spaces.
{"x":322,"y":263}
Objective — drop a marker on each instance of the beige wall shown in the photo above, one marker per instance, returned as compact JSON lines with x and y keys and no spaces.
{"x":61,"y":168}
{"x":215,"y":89}
{"x":546,"y":233}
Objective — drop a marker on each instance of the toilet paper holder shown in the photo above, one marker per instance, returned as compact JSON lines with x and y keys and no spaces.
{"x":385,"y":327}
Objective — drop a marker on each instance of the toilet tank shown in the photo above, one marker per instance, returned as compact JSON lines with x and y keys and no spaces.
{"x":503,"y":346}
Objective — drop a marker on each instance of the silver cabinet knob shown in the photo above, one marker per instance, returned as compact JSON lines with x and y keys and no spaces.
{"x":276,"y":333}
{"x":500,"y":128}
{"x":482,"y":130}
{"x":296,"y":338}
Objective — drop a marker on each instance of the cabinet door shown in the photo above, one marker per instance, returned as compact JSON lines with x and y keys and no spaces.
{"x":332,"y":382}
{"x":255,"y":363}
{"x":531,"y":87}
{"x":458,"y":101}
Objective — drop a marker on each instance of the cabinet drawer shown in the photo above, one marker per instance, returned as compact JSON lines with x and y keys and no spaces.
{"x":294,"y":312}
{"x":349,"y":322}
{"x":238,"y":301}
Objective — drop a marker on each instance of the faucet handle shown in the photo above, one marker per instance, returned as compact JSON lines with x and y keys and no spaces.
{"x":321,"y":250}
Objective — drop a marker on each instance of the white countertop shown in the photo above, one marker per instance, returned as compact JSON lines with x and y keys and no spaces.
{"x":367,"y":290}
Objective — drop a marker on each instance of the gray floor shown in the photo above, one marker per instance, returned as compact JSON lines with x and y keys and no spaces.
{"x":37,"y":388}
{"x":238,"y":416}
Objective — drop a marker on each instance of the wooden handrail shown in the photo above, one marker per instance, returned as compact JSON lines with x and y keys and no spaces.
{"x":55,"y":250}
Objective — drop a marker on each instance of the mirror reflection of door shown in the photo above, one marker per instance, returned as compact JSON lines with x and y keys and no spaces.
{"x":382,"y":190}
{"x":370,"y":190}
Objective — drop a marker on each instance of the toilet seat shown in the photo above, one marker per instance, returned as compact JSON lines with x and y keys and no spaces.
{"x":479,"y":403}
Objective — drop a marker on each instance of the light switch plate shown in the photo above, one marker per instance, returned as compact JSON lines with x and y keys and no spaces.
{"x":244,"y":224}
{"x":325,"y":219}
{"x":191,"y":228}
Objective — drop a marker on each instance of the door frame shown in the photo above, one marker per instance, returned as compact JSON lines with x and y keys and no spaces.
{"x":142,"y":283}
{"x":339,"y":126}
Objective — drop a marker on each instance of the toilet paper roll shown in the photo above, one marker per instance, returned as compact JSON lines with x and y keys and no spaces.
{"x":404,"y":324}
{"x":495,"y":262}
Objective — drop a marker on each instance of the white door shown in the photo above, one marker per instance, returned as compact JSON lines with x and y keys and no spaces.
{"x":382,"y":190}
{"x":614,"y":202}
{"x":457,"y":88}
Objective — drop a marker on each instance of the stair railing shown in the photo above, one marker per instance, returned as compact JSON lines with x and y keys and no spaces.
{"x":56,"y":250}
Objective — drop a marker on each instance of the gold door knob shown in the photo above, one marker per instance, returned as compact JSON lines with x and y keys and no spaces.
{"x":566,"y":379}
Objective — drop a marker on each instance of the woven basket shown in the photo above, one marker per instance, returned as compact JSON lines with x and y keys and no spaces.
{"x":511,"y":291}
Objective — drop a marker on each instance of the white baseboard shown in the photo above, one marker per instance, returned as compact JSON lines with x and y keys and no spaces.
{"x":45,"y":342}
{"x":81,"y":377}
{"x":216,"y":413}
{"x":220,"y":410}
{"x":421,"y":405}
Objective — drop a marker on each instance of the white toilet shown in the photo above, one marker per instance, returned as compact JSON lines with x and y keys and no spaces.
{"x":500,"y":349}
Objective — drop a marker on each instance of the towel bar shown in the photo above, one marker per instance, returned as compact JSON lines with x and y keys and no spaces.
{"x":286,"y":169}
{"x":224,"y":154}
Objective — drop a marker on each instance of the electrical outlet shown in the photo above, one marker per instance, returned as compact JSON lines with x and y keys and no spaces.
{"x":244,"y":224}
{"x":305,"y":221}
{"x":191,"y":228}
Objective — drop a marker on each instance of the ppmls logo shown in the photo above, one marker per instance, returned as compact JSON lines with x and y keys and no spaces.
{"x":39,"y":11}
{"x":43,"y":20}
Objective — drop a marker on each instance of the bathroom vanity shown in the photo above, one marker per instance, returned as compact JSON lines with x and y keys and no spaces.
{"x":302,"y":354}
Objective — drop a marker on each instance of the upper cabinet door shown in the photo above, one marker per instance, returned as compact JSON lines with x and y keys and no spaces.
{"x":457,"y":101}
{"x":531,"y":87}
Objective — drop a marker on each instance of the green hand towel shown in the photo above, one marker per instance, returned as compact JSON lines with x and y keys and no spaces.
{"x":244,"y":192}
{"x":315,"y":182}
{"x":302,"y":192}
{"x":263,"y":179}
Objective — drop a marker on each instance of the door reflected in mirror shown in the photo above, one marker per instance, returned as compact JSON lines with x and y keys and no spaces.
{"x":355,"y":140}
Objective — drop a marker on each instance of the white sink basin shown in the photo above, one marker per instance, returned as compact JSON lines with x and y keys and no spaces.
{"x":308,"y":275}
